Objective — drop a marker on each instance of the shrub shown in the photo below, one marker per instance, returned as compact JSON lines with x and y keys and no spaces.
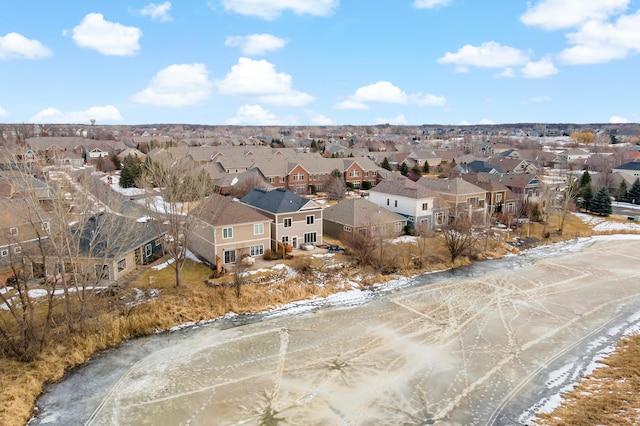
{"x":268,"y":254}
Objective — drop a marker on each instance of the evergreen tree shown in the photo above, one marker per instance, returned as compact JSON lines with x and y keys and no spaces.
{"x":601,"y":202}
{"x":131,"y":171}
{"x":634,"y":192}
{"x":585,"y":195}
{"x":623,"y":191}
{"x":385,"y":164}
{"x":585,"y":179}
{"x":425,"y":168}
{"x":404,"y":169}
{"x":416,"y":170}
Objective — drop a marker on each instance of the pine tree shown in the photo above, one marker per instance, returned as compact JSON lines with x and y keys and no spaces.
{"x":385,"y":164}
{"x":634,"y":192}
{"x":585,"y":197}
{"x":623,"y":191}
{"x":601,"y":202}
{"x":425,"y":168}
{"x":404,"y":169}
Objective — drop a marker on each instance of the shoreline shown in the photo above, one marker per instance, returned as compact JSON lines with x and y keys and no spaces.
{"x":355,"y":297}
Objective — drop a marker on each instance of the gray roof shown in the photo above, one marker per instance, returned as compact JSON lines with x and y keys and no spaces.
{"x":358,"y":212}
{"x":279,"y":200}
{"x":219,"y":210}
{"x":633,"y":165}
{"x":403,"y":187}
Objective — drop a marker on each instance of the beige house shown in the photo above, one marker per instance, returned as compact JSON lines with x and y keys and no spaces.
{"x":226,"y":230}
{"x":295,"y":221}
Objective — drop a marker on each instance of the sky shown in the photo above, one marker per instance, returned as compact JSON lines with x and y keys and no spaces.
{"x":320,"y":62}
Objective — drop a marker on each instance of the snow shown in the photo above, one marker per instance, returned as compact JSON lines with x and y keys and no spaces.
{"x":157,"y":204}
{"x":234,"y":181}
{"x":601,"y":224}
{"x":115,"y":186}
{"x":404,"y":239}
{"x":163,"y":265}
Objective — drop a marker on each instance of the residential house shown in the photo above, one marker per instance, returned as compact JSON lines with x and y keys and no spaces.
{"x":511,"y":165}
{"x":630,"y":170}
{"x":294,"y":220}
{"x":105,"y":246}
{"x":461,"y":196}
{"x":528,"y":187}
{"x":227,"y":229}
{"x":355,"y":216}
{"x":420,"y":205}
{"x":499,"y":198}
{"x":18,"y":184}
{"x":21,"y":224}
{"x":571,"y":155}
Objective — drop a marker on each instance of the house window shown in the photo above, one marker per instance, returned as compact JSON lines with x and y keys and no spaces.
{"x":227,"y":233}
{"x":148,"y":250}
{"x":387,"y":201}
{"x":4,"y":252}
{"x":45,"y":226}
{"x":310,"y":237}
{"x":257,"y":250}
{"x":498,"y":198}
{"x":285,"y":240}
{"x":298,"y":176}
{"x":425,"y":206}
{"x":258,"y":229}
{"x":13,"y":231}
{"x":347,"y":228}
{"x":439,"y":218}
{"x":281,"y":179}
{"x":472,"y":201}
{"x":122,"y":265}
{"x":157,"y":242}
{"x":287,"y":222}
{"x":272,"y":180}
{"x":229,"y":256}
{"x":398,"y":226}
{"x":395,"y":203}
{"x":366,"y":174}
{"x":354,"y":173}
{"x":311,"y":220}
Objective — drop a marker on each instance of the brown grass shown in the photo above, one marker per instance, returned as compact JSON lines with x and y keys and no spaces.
{"x":21,"y":383}
{"x":609,"y":396}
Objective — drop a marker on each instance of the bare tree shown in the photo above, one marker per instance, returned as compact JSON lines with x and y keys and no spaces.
{"x":179,"y":201}
{"x":458,"y":237}
{"x":247,"y":183}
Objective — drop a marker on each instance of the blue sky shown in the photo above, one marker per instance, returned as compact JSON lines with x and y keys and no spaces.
{"x":319,"y":62}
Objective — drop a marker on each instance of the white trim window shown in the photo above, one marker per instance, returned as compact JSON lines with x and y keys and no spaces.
{"x":227,"y":233}
{"x":347,"y":228}
{"x":257,"y":250}
{"x":354,"y":173}
{"x":287,"y":222}
{"x":311,"y":219}
{"x":4,"y":252}
{"x":13,"y":231}
{"x":258,"y":228}
{"x":148,"y":250}
{"x":46,"y":226}
{"x":310,"y":237}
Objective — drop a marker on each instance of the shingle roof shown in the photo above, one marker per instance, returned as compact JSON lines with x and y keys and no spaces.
{"x":404,"y":187}
{"x":457,"y":186}
{"x":633,"y":165}
{"x":358,"y":212}
{"x":279,"y":200}
{"x":219,"y":210}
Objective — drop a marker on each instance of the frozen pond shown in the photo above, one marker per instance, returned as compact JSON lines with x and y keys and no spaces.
{"x":477,"y":347}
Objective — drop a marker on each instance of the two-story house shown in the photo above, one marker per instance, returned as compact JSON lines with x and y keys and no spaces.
{"x":462,"y":196}
{"x":420,"y":205}
{"x":226,"y":230}
{"x":294,"y":220}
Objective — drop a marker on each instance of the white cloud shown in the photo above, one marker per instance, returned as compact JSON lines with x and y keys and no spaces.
{"x":557,"y":14}
{"x":253,"y":115}
{"x":507,"y":73}
{"x":464,"y":123}
{"x":17,"y":46}
{"x":3,"y":112}
{"x":399,"y":120}
{"x":108,"y":38}
{"x":318,"y":119}
{"x":541,"y":69}
{"x":618,"y":120}
{"x":271,"y":9}
{"x":99,"y":113}
{"x":430,"y":4}
{"x":256,"y":44}
{"x":177,"y":85}
{"x":538,"y":99}
{"x":157,"y":12}
{"x":598,"y":42}
{"x":488,"y":55}
{"x":258,"y":78}
{"x":386,"y":92}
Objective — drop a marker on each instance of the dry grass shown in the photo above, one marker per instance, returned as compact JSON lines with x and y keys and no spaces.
{"x":21,"y":383}
{"x":609,"y":396}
